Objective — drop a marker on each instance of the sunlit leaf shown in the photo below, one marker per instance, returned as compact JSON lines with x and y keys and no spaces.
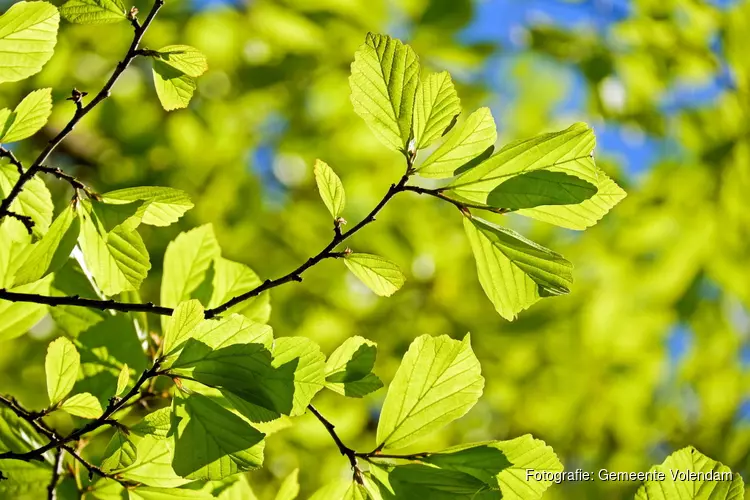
{"x":289,"y":488}
{"x":93,"y":11}
{"x":29,"y":117}
{"x":186,"y":261}
{"x":153,"y":463}
{"x":711,"y":481}
{"x":183,"y":58}
{"x":384,"y":79}
{"x":465,"y":142}
{"x":120,"y":452}
{"x":28,"y":33}
{"x":174,"y":88}
{"x":34,"y":201}
{"x":163,"y":206}
{"x":18,"y":317}
{"x":330,"y":188}
{"x":515,"y":272}
{"x":61,"y":367}
{"x":122,"y":380}
{"x":438,"y":381}
{"x":349,"y":368}
{"x":232,"y":279}
{"x":379,"y":274}
{"x":83,"y":405}
{"x":436,"y":107}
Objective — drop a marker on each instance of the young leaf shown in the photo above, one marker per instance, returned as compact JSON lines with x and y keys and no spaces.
{"x":212,"y":443}
{"x":515,"y":272}
{"x":163,"y":206}
{"x":379,"y":274}
{"x":503,"y":465}
{"x":308,"y":362}
{"x":29,"y":117}
{"x":28,"y":33}
{"x":437,"y":105}
{"x":349,"y":368}
{"x":120,"y":452}
{"x":18,"y":317}
{"x":53,"y":250}
{"x":122,"y":380}
{"x":83,"y":405}
{"x":384,"y":78}
{"x":16,"y":242}
{"x":462,"y":144}
{"x":689,"y":460}
{"x":186,"y":261}
{"x":117,"y":258}
{"x":151,"y":493}
{"x":180,"y":326}
{"x":356,"y":492}
{"x":232,"y":279}
{"x":93,"y":11}
{"x":330,"y":188}
{"x":174,"y":88}
{"x":183,"y":58}
{"x":568,"y":151}
{"x":61,"y":367}
{"x":35,"y":200}
{"x":289,"y":489}
{"x":438,"y":381}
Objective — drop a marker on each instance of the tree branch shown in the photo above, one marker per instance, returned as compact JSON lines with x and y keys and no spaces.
{"x":345,"y":450}
{"x":75,"y":183}
{"x":6,"y":153}
{"x":56,"y":442}
{"x":56,"y":471}
{"x":75,"y":300}
{"x":81,"y":111}
{"x":462,"y":206}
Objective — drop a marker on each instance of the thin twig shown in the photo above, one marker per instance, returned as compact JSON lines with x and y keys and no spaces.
{"x":75,"y":300}
{"x":56,"y":471}
{"x":75,"y":183}
{"x":27,"y":221}
{"x":344,"y":449}
{"x":7,"y":153}
{"x":81,"y":110}
{"x":461,"y":205}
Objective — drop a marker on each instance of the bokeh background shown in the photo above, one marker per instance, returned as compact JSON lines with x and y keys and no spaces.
{"x":651,"y":350}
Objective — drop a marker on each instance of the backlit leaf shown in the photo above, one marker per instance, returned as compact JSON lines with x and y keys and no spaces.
{"x":34,"y":201}
{"x":163,"y":206}
{"x":28,"y":33}
{"x":83,"y":405}
{"x":174,"y":88}
{"x":379,"y":274}
{"x":61,"y":367}
{"x":438,"y":381}
{"x":186,"y":261}
{"x":437,"y":105}
{"x":330,"y":188}
{"x":93,"y":11}
{"x":349,"y":368}
{"x":184,"y":58}
{"x":29,"y":117}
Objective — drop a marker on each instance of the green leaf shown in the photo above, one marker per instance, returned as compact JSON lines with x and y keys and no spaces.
{"x":26,"y":480}
{"x":16,"y":318}
{"x":462,"y":144}
{"x":184,"y":320}
{"x":330,"y":188}
{"x":384,"y":79}
{"x":174,"y":88}
{"x":349,"y":368}
{"x":71,"y":280}
{"x":422,"y":481}
{"x":83,"y":405}
{"x":289,"y":489}
{"x":304,"y":357}
{"x":183,"y":58}
{"x":153,"y":464}
{"x":28,"y":33}
{"x":93,"y":11}
{"x":568,"y":151}
{"x":211,"y":442}
{"x":34,"y":201}
{"x":61,"y":366}
{"x":438,"y":381}
{"x":16,"y":242}
{"x":379,"y":274}
{"x":533,"y":189}
{"x":186,"y":262}
{"x":156,"y":424}
{"x":232,"y":488}
{"x":515,"y":272}
{"x":163,"y":206}
{"x":231,"y":279}
{"x":356,"y":492}
{"x":122,"y":380}
{"x":29,"y":117}
{"x":120,"y":452}
{"x":51,"y":252}
{"x":503,"y":465}
{"x":437,"y":106}
{"x":711,"y":481}
{"x":118,"y":259}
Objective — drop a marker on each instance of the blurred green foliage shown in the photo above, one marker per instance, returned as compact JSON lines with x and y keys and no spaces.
{"x":593,"y":373}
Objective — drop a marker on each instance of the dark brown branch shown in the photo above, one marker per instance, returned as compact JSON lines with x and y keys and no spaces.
{"x":344,"y":449}
{"x":75,"y":300}
{"x":23,"y":219}
{"x":6,"y":153}
{"x":81,"y":111}
{"x":56,"y":442}
{"x":56,"y":471}
{"x":461,"y":205}
{"x":75,"y":183}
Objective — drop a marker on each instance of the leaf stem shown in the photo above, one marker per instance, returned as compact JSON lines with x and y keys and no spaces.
{"x":344,"y":449}
{"x":80,"y":112}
